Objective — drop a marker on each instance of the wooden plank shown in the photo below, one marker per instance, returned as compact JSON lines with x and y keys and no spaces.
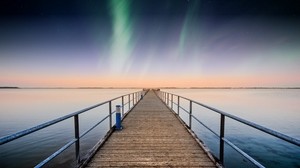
{"x":152,"y":137}
{"x":154,"y":164}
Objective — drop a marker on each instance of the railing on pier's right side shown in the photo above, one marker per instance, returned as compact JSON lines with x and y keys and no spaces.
{"x":133,"y":99}
{"x":169,"y":100}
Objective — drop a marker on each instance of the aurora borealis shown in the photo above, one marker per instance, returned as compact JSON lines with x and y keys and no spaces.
{"x":149,"y":43}
{"x":121,"y":36}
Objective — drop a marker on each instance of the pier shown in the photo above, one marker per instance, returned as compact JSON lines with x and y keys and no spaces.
{"x":152,"y":136}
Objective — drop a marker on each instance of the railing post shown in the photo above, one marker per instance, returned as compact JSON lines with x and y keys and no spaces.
{"x":118,"y":117}
{"x":190,"y":118}
{"x":110,"y":117}
{"x":122,"y":106}
{"x":77,"y":143}
{"x":165,"y":97}
{"x":168,"y":99}
{"x":132,"y":99}
{"x":178,"y":104}
{"x":129,"y":102}
{"x":222,"y":128}
{"x":172,"y":101}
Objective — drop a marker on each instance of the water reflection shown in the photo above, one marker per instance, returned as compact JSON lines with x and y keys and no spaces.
{"x":278,"y":109}
{"x":24,"y":108}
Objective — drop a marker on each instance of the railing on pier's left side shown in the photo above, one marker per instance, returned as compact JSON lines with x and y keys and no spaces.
{"x":172,"y":99}
{"x":133,"y":99}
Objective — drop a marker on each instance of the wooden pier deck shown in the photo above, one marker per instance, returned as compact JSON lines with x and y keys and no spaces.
{"x":152,"y":137}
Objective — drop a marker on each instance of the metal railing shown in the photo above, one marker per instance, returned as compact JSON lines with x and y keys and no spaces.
{"x":168,"y":99}
{"x":133,"y":99}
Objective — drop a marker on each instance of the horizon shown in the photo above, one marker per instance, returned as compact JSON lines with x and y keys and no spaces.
{"x":162,"y":87}
{"x":150,"y":44}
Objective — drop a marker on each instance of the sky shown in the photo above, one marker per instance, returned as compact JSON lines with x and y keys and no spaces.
{"x":150,"y":43}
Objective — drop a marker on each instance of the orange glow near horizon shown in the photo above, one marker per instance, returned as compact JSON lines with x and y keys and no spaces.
{"x":150,"y":81}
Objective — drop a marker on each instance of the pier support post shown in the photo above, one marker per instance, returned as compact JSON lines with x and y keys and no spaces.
{"x":122,"y":106}
{"x":172,"y":101}
{"x":168,"y":99}
{"x":165,"y":98}
{"x":178,"y":104}
{"x":132,"y":99}
{"x":190,"y":116}
{"x":77,"y":143}
{"x":110,"y":117}
{"x":222,"y":129}
{"x":129,"y":102}
{"x":118,"y":117}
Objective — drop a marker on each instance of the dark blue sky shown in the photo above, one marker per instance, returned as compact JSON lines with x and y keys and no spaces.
{"x":151,"y":43}
{"x":148,"y":7}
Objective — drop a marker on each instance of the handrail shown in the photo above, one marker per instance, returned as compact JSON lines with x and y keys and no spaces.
{"x":252,"y":124}
{"x":132,"y":100}
{"x":165,"y":97}
{"x":17,"y":135}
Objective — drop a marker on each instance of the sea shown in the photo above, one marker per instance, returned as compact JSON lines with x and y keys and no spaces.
{"x":277,"y":109}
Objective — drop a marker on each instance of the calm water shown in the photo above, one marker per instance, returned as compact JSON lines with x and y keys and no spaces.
{"x":24,"y":108}
{"x":278,"y":109}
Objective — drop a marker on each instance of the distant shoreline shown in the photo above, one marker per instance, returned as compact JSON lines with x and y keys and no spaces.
{"x":9,"y":87}
{"x":243,"y":88}
{"x":14,"y":87}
